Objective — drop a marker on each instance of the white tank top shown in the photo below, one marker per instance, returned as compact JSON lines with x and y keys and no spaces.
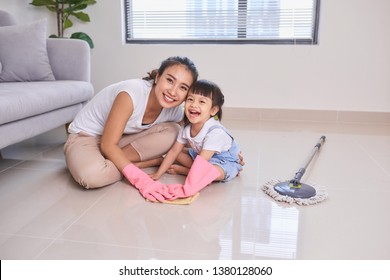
{"x":92,"y":118}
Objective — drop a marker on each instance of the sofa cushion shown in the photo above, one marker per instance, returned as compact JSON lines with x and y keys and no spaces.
{"x":23,"y":53}
{"x":22,"y":100}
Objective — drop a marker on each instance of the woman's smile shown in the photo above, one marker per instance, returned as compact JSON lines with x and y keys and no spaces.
{"x":168,"y":99}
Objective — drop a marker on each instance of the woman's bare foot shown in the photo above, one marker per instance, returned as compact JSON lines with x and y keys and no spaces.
{"x":149,"y":163}
{"x":177,"y":169}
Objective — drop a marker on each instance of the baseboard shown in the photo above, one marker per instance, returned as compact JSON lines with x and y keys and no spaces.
{"x":297,"y":115}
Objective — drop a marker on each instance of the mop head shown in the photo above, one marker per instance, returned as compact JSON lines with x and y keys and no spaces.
{"x":321,"y":194}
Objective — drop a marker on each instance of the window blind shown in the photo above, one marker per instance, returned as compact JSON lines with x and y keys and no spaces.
{"x":224,"y":21}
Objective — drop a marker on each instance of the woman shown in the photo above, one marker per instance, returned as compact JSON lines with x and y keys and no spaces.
{"x":133,"y":122}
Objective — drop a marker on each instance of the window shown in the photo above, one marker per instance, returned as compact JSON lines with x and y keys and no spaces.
{"x":222,"y":21}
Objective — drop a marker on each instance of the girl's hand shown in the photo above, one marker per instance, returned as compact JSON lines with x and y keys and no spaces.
{"x":154,"y":176}
{"x":241,"y":158}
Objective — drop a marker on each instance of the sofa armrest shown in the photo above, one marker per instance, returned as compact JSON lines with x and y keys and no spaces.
{"x":70,"y":59}
{"x":6,"y":19}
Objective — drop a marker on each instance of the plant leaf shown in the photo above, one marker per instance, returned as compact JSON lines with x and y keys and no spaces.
{"x":75,"y":2}
{"x":43,"y":3}
{"x":87,"y":2}
{"x":68,"y":23}
{"x":82,"y":16}
{"x":74,"y":8}
{"x":51,"y":8}
{"x":83,"y":36}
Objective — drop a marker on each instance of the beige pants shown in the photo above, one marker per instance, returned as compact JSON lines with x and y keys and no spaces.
{"x":91,"y":170}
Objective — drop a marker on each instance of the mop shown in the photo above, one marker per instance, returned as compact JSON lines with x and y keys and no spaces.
{"x":294,"y":191}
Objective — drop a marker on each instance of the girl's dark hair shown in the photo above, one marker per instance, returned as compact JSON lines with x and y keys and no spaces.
{"x":208,"y":89}
{"x":171,"y":61}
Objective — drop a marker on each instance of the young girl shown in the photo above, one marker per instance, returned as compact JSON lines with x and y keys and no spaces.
{"x":213,"y":154}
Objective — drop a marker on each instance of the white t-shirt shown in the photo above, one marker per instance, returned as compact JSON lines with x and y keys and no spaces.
{"x":92,"y":118}
{"x":216,"y":140}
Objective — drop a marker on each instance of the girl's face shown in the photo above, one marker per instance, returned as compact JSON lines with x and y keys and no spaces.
{"x":172,"y":86}
{"x":198,"y":108}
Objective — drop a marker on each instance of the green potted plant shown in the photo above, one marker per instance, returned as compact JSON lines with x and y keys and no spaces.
{"x":65,"y":10}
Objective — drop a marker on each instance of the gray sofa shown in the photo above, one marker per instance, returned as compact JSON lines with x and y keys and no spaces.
{"x":36,"y":97}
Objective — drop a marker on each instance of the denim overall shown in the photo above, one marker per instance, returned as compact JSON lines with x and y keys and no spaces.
{"x":227,"y":160}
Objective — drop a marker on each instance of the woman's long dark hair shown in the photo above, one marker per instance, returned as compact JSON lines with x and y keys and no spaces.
{"x":171,"y":61}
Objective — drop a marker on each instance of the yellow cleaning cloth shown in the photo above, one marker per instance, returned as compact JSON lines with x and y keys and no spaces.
{"x":182,"y":201}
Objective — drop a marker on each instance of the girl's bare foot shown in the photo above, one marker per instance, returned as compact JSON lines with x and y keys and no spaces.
{"x":176,"y":169}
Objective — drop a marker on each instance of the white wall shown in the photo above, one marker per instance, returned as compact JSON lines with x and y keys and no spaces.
{"x":349,"y":70}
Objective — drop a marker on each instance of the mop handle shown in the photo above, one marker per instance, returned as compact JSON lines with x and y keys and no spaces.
{"x":298,"y":176}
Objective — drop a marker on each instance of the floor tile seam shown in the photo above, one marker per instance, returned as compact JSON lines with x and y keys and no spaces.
{"x":70,"y":225}
{"x":108,"y":244}
{"x":42,"y":152}
{"x":21,"y":161}
{"x":36,"y":168}
{"x":373,"y":159}
{"x":59,"y":161}
{"x":13,"y":166}
{"x":121,"y":246}
{"x":99,"y":243}
{"x":26,"y":236}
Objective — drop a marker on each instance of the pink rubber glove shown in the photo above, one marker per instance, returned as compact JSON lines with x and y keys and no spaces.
{"x":201,"y":174}
{"x":150,"y":189}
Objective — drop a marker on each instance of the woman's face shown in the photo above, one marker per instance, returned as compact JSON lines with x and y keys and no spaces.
{"x":172,"y":86}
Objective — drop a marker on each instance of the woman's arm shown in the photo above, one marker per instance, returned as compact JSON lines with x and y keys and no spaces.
{"x":169,"y":159}
{"x":120,"y":112}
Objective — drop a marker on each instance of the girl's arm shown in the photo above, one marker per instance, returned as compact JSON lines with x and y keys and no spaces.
{"x":169,"y":159}
{"x":207,"y":154}
{"x":121,"y":111}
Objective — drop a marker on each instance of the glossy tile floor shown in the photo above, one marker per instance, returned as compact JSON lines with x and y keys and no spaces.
{"x":44,"y":214}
